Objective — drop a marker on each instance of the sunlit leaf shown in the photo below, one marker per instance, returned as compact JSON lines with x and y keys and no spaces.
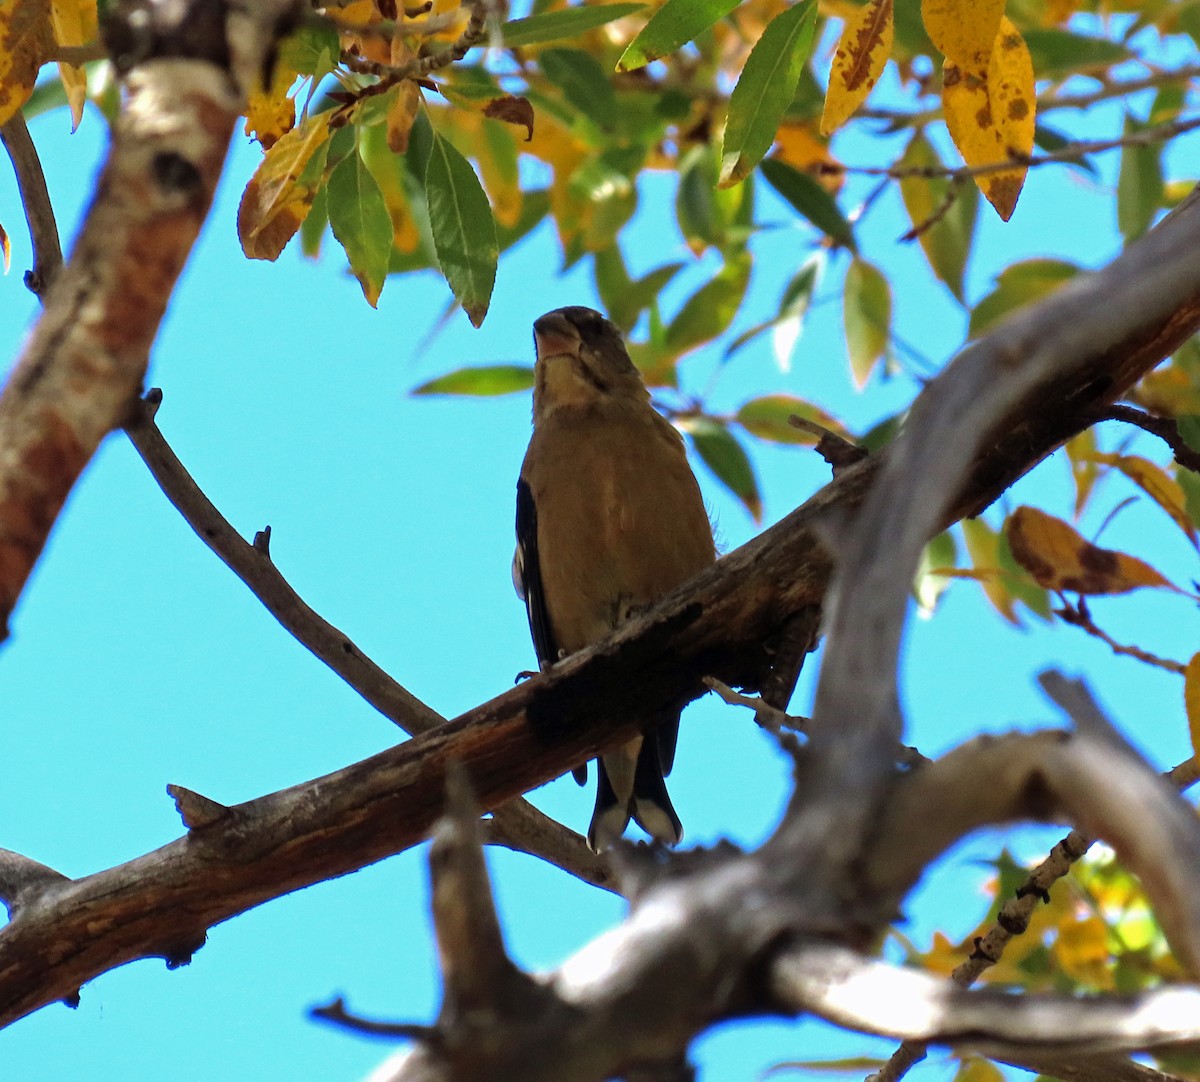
{"x":963,"y":30}
{"x":768,"y":419}
{"x":867,"y":316}
{"x":281,"y":192}
{"x":360,"y":221}
{"x":312,"y":49}
{"x":991,"y":116}
{"x":26,"y":43}
{"x":721,"y":453}
{"x":983,"y":547}
{"x":401,"y":114}
{"x":464,"y":231}
{"x":947,"y":242}
{"x":765,"y":88}
{"x":939,"y":555}
{"x":75,"y":24}
{"x":977,"y":1069}
{"x":809,"y":200}
{"x":1157,"y":484}
{"x":484,"y":381}
{"x":862,"y":53}
{"x":270,"y":113}
{"x":1060,"y":559}
{"x":673,"y":25}
{"x":1191,"y":700}
{"x":1018,"y":285}
{"x":563,"y":24}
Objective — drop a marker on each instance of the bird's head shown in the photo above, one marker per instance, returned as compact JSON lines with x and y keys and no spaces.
{"x":581,"y":360}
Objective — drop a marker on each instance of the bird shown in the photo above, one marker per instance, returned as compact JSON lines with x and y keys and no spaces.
{"x":610,"y":519}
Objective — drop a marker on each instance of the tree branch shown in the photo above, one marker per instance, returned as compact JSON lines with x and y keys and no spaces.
{"x":35,"y":198}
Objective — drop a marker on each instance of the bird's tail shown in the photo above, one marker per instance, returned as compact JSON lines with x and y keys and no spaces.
{"x":647,"y":801}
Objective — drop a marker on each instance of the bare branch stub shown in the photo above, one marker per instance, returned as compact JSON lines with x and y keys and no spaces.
{"x":35,"y":198}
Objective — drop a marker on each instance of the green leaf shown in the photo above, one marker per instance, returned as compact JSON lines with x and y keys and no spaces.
{"x":1058,"y":53}
{"x":361,"y":223}
{"x":708,"y":312}
{"x":1189,"y":430}
{"x":1189,"y":481}
{"x":559,"y":25}
{"x":312,"y":229}
{"x":941,"y":552}
{"x":624,"y":298}
{"x":584,"y":83}
{"x":768,"y":419}
{"x":867,"y":314}
{"x":696,"y":207}
{"x":721,"y":453}
{"x":488,"y":380}
{"x":1019,"y":285}
{"x":1139,"y":185}
{"x":809,"y":200}
{"x":1051,"y":140}
{"x":765,"y":89}
{"x":674,"y":24}
{"x":535,"y":205}
{"x":312,"y":50}
{"x":789,"y":321}
{"x":464,"y":231}
{"x":946,"y":243}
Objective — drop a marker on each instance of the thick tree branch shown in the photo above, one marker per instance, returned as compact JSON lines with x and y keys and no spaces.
{"x":85,"y":361}
{"x":162,"y":903}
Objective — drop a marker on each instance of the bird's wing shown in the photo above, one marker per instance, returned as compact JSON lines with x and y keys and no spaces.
{"x":527,"y":577}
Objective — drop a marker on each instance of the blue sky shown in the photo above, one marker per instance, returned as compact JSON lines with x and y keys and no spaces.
{"x":137,"y":659}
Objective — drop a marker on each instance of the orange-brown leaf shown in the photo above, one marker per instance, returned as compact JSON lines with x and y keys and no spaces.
{"x":1060,"y":559}
{"x":401,"y":114}
{"x":26,"y":42}
{"x":512,"y":110}
{"x":862,"y":52}
{"x":277,"y":199}
{"x":1191,"y":700}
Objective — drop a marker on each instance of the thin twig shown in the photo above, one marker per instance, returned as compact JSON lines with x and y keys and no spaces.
{"x":1079,"y":616}
{"x":35,"y":198}
{"x":335,"y":1013}
{"x":419,"y":67}
{"x":1165,"y":428}
{"x":1069,"y":153}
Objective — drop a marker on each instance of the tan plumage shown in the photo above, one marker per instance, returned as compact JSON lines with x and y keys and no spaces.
{"x":609,"y":520}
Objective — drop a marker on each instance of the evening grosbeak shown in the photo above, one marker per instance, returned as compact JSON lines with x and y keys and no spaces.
{"x":609,"y":520}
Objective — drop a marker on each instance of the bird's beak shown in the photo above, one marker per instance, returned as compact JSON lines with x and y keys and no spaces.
{"x":555,"y":335}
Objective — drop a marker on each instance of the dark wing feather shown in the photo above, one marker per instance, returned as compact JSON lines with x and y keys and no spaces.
{"x":535,"y":598}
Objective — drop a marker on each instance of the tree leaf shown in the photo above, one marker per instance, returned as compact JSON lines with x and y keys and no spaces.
{"x":765,"y":89}
{"x":1019,"y":285}
{"x":1060,"y":559}
{"x":721,"y":453}
{"x":789,"y":321}
{"x":946,"y":243}
{"x":674,"y":24}
{"x":862,"y":52}
{"x":708,"y":312}
{"x":584,"y":83}
{"x":963,"y":30}
{"x":1139,"y":185}
{"x":26,"y":43}
{"x":360,"y":221}
{"x":768,"y":419}
{"x":563,"y":24}
{"x":485,"y":381}
{"x":281,"y":192}
{"x":464,"y":231}
{"x":867,"y":315}
{"x":991,"y":116}
{"x":810,"y":200}
{"x":1191,"y":700}
{"x":1058,"y":53}
{"x":1157,"y":484}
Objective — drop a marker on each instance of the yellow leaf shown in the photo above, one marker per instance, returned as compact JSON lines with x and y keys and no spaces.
{"x":983,"y":546}
{"x":862,"y":52}
{"x":280,"y":194}
{"x":1081,"y":949}
{"x":1060,"y":559}
{"x":963,"y":30}
{"x":798,"y":145}
{"x":74,"y":23}
{"x":1191,"y":700}
{"x":26,"y":42}
{"x":401,"y":114}
{"x":270,"y":113}
{"x":1163,"y":489}
{"x":1081,"y":451}
{"x":975,"y":1069}
{"x":991,"y":116}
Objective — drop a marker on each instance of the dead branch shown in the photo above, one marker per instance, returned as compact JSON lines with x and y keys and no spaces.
{"x":35,"y":198}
